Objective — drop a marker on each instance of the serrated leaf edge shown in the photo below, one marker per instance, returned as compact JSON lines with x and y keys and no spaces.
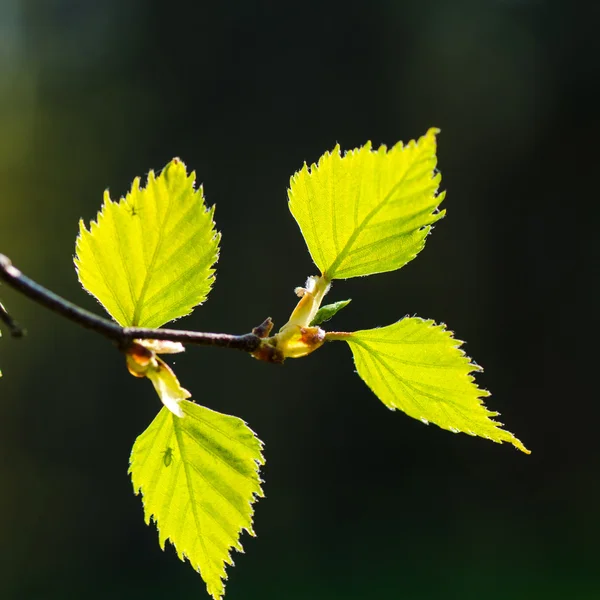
{"x":124,"y":201}
{"x":474,"y":368}
{"x":152,"y":517}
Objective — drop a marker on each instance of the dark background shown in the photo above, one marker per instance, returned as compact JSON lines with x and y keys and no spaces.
{"x":361,"y":503}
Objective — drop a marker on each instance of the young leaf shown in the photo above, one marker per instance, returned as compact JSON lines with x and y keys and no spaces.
{"x":367,"y":211}
{"x":148,"y":258}
{"x":199,"y":477}
{"x":418,"y":367}
{"x":328,"y":312}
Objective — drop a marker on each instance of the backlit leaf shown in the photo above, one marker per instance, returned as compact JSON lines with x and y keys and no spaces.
{"x":418,"y":367}
{"x":148,"y":258}
{"x":198,"y":476}
{"x":368,"y":211}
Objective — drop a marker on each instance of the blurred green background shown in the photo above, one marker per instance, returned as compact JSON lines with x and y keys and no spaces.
{"x":361,"y":503}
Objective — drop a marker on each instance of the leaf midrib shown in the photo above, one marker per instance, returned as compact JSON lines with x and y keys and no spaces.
{"x":150,"y":270}
{"x":190,"y":489}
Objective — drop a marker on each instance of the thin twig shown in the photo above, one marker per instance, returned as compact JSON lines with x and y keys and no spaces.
{"x":123,"y":336}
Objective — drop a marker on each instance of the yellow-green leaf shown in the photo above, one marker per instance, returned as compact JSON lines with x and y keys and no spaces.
{"x":368,"y":211}
{"x":198,"y":476}
{"x":418,"y":367}
{"x":148,"y":258}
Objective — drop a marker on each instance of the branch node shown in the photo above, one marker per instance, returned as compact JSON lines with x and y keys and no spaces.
{"x":264,"y":329}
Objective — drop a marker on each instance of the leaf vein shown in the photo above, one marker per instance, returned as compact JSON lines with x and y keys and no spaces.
{"x":190,"y":488}
{"x":159,"y":242}
{"x":342,"y":255}
{"x":214,"y":454}
{"x":106,"y":280}
{"x":220,"y":493}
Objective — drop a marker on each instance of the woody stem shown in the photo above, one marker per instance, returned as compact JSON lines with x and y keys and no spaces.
{"x":123,"y":336}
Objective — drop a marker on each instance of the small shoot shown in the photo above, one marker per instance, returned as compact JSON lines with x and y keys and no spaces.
{"x":366,"y":212}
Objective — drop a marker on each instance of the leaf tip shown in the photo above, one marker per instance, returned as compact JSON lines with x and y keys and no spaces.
{"x":516,"y":442}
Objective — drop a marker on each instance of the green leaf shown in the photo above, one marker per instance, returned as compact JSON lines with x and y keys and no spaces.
{"x":418,"y":367}
{"x":367,"y":211}
{"x":148,"y":258}
{"x":199,"y":477}
{"x":328,"y":311}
